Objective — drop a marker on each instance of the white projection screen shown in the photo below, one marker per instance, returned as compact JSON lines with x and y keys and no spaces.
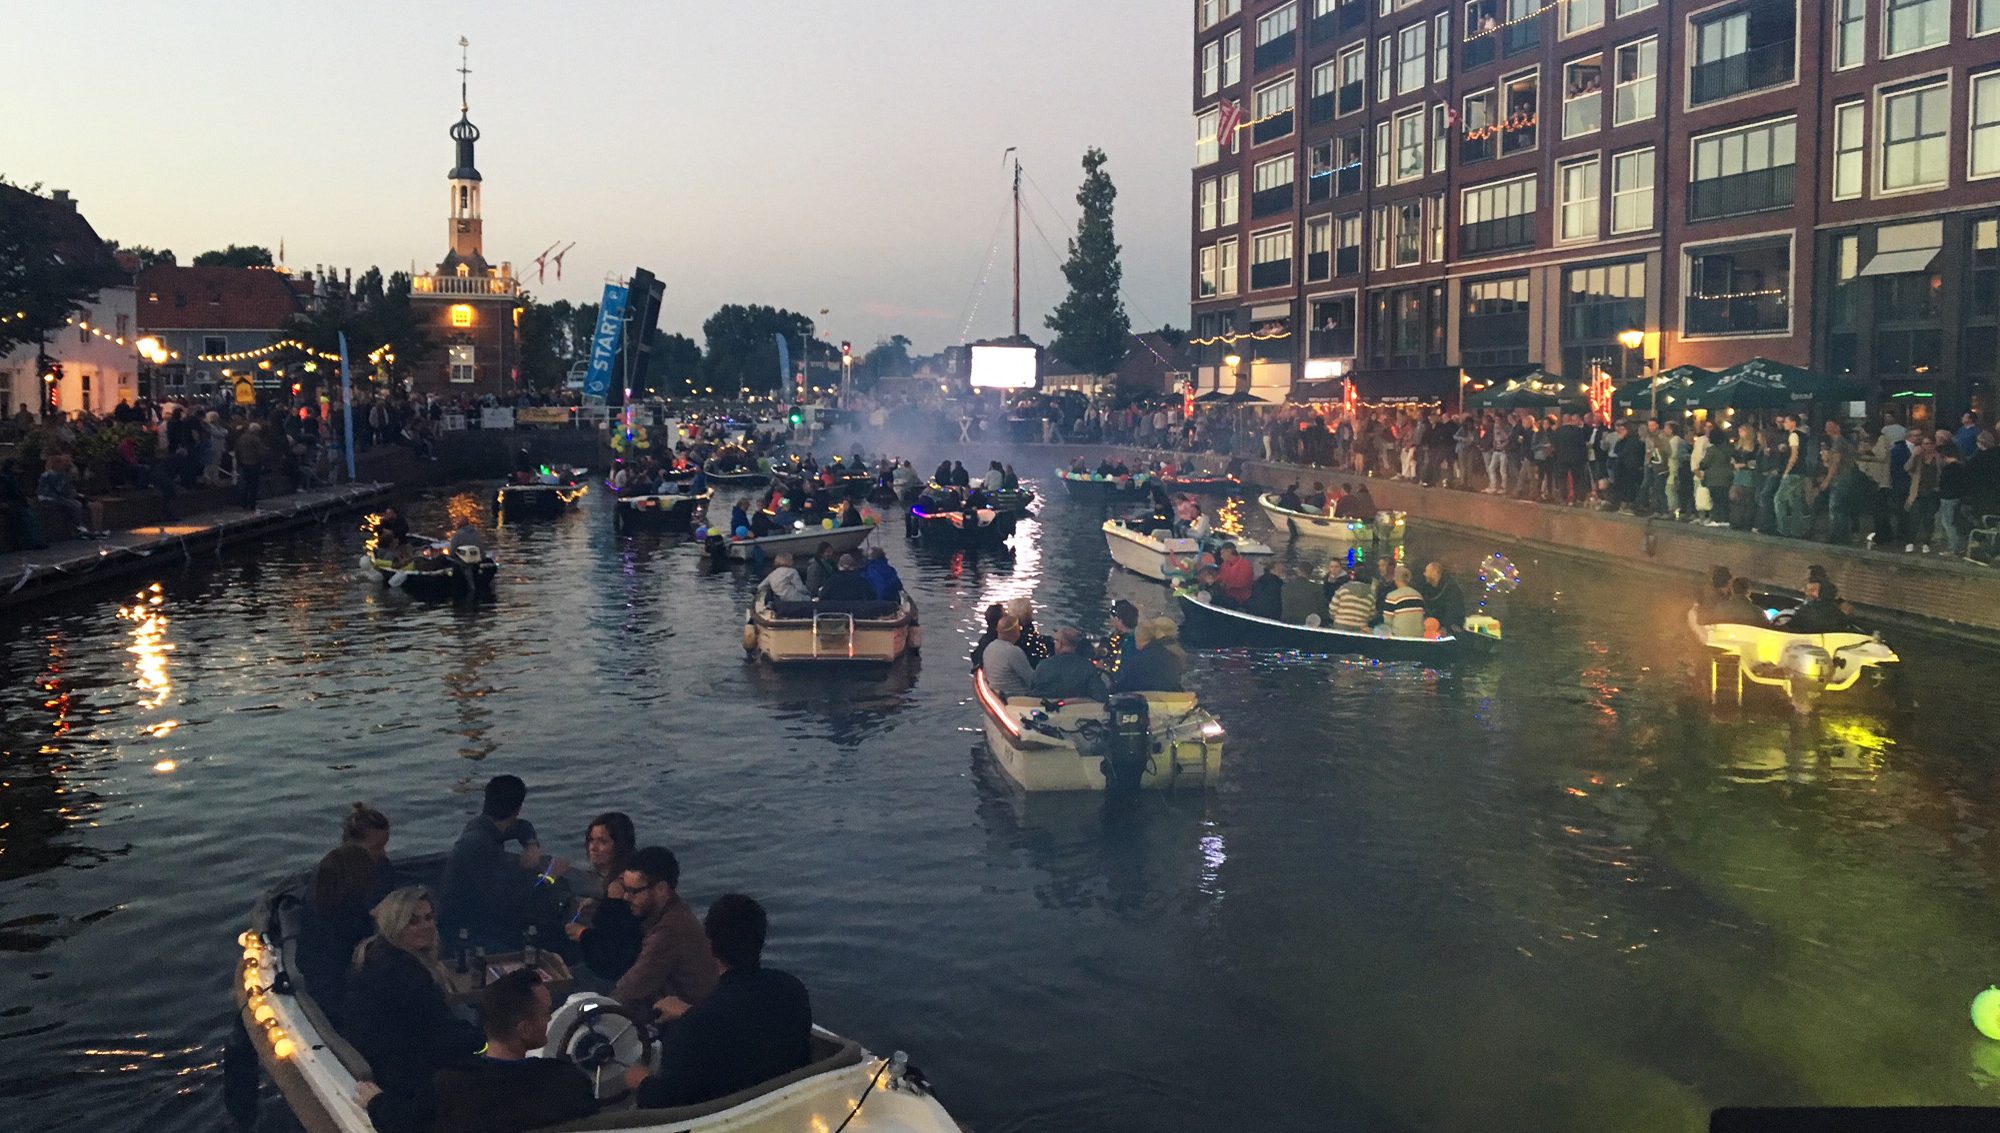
{"x":1003,"y":367}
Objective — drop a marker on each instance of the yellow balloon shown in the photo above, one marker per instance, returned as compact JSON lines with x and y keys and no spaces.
{"x":1986,"y":1012}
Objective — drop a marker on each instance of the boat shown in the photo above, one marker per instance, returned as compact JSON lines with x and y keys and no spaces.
{"x":519,"y":501}
{"x":1016,"y":500}
{"x":1162,"y":557}
{"x":1092,"y":488}
{"x":827,"y":633}
{"x":316,"y":1071}
{"x":1387,"y":526}
{"x":659,"y":511}
{"x":951,"y":523}
{"x":431,"y":569}
{"x":1805,"y":666}
{"x":1149,"y":740}
{"x":1210,"y":626}
{"x":737,"y":467}
{"x":1203,"y":485}
{"x":802,"y":541}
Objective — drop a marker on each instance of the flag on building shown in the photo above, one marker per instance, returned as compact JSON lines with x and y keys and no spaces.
{"x":1230,"y":122}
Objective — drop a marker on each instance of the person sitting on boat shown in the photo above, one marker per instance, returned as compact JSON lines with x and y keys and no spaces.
{"x":486,"y":889}
{"x":739,"y":520}
{"x":673,"y":963}
{"x":1353,"y":604}
{"x":820,"y":567}
{"x":756,"y":1027}
{"x":850,"y":515}
{"x":1123,"y":641}
{"x":504,"y":1088}
{"x":994,"y":480}
{"x":1037,"y":646}
{"x":335,"y":921}
{"x":1719,"y":578}
{"x":1106,"y":469}
{"x":1403,"y":607}
{"x":469,"y":535}
{"x":761,"y":523}
{"x":1267,"y":594}
{"x":397,"y":1016}
{"x":1289,"y":498}
{"x":1820,"y":613}
{"x":1302,"y":597}
{"x":905,"y":477}
{"x":1010,"y":481}
{"x":1006,"y":666}
{"x":882,"y":576}
{"x":1442,"y":597}
{"x":1315,"y":500}
{"x":1334,"y":498}
{"x":993,"y":614}
{"x":1356,"y":503}
{"x":1067,"y":674}
{"x":1159,"y":663}
{"x":1235,"y":574}
{"x":1738,"y":609}
{"x":960,"y":478}
{"x":368,"y":828}
{"x":846,"y":583}
{"x":392,"y":527}
{"x":942,"y":477}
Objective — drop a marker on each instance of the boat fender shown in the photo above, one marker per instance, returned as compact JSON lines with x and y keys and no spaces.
{"x":916,"y":638}
{"x":749,"y":636}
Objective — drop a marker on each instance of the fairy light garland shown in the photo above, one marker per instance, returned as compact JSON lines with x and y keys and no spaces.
{"x":289,"y":344}
{"x":1232,"y":338}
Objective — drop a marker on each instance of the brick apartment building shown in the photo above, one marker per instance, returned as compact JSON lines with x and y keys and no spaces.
{"x":1426,"y":192}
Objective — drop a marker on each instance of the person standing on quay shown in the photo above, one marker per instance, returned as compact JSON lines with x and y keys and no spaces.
{"x":250,"y":454}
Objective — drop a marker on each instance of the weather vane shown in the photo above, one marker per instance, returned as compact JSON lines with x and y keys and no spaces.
{"x":463,"y":71}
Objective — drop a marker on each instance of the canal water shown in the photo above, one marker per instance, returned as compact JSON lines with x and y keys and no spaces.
{"x":1551,"y":891}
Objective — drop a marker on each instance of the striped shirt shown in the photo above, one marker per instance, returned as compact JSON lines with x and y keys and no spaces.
{"x":1353,"y":605}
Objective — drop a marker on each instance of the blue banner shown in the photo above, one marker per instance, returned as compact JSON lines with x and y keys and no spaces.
{"x":604,"y":346}
{"x":347,"y":407}
{"x":784,"y":366}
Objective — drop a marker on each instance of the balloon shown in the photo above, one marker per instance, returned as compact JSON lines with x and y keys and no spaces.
{"x":826,"y":523}
{"x":1986,"y":1012}
{"x":701,"y":532}
{"x":742,"y":532}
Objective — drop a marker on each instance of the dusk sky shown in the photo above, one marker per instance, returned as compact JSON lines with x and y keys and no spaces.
{"x":843,"y":154}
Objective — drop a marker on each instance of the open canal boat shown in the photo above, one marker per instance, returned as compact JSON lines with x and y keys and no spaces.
{"x":1218,"y":627}
{"x":1090,"y":487}
{"x":831,"y":633}
{"x":803,"y":541}
{"x":1162,"y":557}
{"x":543,"y":499}
{"x":1805,"y":666}
{"x":668,"y":511}
{"x":431,"y":569}
{"x":1387,"y":527}
{"x":1149,"y":740}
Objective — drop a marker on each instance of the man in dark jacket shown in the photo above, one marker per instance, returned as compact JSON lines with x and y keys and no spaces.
{"x":1267,"y":594}
{"x":504,"y":1090}
{"x":484,"y":888}
{"x":1067,"y":674}
{"x":1442,"y":598}
{"x":673,"y":969}
{"x":847,"y":583}
{"x":251,"y":453}
{"x":756,"y":1027}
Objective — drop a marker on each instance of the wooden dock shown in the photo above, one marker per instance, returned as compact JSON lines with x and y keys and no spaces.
{"x":29,"y":575}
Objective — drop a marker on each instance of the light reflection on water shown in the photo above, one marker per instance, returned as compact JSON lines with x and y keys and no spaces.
{"x":1554,"y":891}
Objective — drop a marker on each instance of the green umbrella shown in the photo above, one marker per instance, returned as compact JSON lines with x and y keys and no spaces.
{"x":1762,"y":383}
{"x":1537,"y":389}
{"x":1675,"y":386}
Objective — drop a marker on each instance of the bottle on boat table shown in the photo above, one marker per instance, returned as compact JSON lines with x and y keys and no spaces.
{"x":531,"y":956}
{"x":464,"y":951}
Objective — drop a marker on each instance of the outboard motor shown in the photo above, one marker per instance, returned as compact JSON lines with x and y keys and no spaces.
{"x":1810,"y":667}
{"x":1128,"y":743}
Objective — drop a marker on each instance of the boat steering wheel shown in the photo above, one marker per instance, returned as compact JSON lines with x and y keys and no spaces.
{"x":604,"y":1041}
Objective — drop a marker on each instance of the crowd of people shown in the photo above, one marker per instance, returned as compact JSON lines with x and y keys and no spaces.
{"x":390,"y":963}
{"x":1389,"y":601}
{"x":1137,"y":655}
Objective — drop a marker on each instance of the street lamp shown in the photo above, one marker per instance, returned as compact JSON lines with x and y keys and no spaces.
{"x":1232,"y":361}
{"x":1632,"y":340}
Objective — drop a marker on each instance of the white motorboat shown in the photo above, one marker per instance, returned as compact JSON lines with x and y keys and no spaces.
{"x":1387,"y":527}
{"x":1165,"y":558}
{"x":317,"y":1071}
{"x":1804,"y":665}
{"x":1160,"y":739}
{"x":803,"y":541}
{"x":831,"y":633}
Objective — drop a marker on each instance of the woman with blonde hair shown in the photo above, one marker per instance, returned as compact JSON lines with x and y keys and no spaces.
{"x":1158,"y":665}
{"x":397,"y":1015}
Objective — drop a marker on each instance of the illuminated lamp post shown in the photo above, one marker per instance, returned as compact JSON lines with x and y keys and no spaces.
{"x":1234,"y":362}
{"x":1632,"y":340}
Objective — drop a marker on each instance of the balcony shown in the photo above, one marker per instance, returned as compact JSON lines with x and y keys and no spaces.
{"x":1518,"y":138}
{"x":1323,"y":29}
{"x":1481,"y":51}
{"x":1484,"y":236}
{"x":1352,"y":97}
{"x":1277,"y":273}
{"x":1519,"y":37}
{"x":1320,"y":108}
{"x":1271,"y":129}
{"x":1270,"y":202}
{"x":1766,"y":65}
{"x":1317,"y":266}
{"x":1347,"y":261}
{"x":1278,"y":52}
{"x":496,"y":284}
{"x":1319,"y":186}
{"x":1347,"y":180}
{"x":1475,"y":149}
{"x":1740,"y":193}
{"x":1738,"y":314}
{"x":1601,"y":322}
{"x":1336,"y":343}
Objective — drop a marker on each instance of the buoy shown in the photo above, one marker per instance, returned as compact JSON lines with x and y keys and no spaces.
{"x":1986,"y":1013}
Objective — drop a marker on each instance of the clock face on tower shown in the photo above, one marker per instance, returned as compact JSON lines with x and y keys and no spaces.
{"x":465,"y":226}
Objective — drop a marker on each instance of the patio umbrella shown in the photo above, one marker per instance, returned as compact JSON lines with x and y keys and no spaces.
{"x":1676,"y":385}
{"x":1245,"y":397}
{"x":1214,"y":397}
{"x":1537,"y":389}
{"x":1762,"y":383}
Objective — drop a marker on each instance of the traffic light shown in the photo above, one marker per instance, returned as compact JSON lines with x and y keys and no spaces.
{"x":846,"y":349}
{"x":798,"y":418}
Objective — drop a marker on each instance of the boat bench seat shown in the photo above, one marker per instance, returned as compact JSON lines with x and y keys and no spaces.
{"x":828,"y":1055}
{"x":861,"y":611}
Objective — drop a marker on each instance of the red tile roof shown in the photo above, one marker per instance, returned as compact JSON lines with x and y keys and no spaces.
{"x":218,"y":298}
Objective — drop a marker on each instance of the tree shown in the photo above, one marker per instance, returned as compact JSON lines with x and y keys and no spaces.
{"x":388,"y":319}
{"x":544,"y":346}
{"x":368,"y":289}
{"x":676,"y":364}
{"x":148,"y":257}
{"x":742,"y":349}
{"x":40,"y":288}
{"x":236,"y":256}
{"x":1174,"y":336}
{"x":1091,"y":325}
{"x":889,"y":358}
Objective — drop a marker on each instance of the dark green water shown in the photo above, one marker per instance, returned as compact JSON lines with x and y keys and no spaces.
{"x":1556,"y":891}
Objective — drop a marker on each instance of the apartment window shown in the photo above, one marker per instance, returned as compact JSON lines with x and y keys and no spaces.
{"x":1632,"y":96}
{"x":1912,"y":25}
{"x":1600,"y":302}
{"x":1231,"y":183}
{"x":463,"y":369}
{"x":1748,"y":169}
{"x":1850,"y":34}
{"x":124,"y":325}
{"x":1578,"y":187}
{"x":1349,"y":245}
{"x":1440,"y":127}
{"x":1274,"y":111}
{"x":1206,"y":147}
{"x":1385,"y":69}
{"x":1353,"y":79}
{"x":1276,"y":41}
{"x":1409,"y":218}
{"x":1583,"y":97}
{"x":1319,"y":249}
{"x":1481,"y":31}
{"x":1582,"y":15}
{"x":214,"y":344}
{"x":1521,"y":101}
{"x":1211,"y":68}
{"x":1411,"y":55}
{"x":1205,"y":278}
{"x":1440,"y":47}
{"x":1497,"y":216}
{"x":1494,"y":324}
{"x":1434,"y":227}
{"x":1382,"y":166}
{"x":1225,"y":254}
{"x":1742,"y":288}
{"x":1850,"y":143}
{"x":1478,"y":133}
{"x":1742,"y":49}
{"x":1271,"y":186}
{"x":1986,"y":125}
{"x":1271,"y":258}
{"x":1985,"y":16}
{"x":1632,"y":191}
{"x":1916,"y":143}
{"x":1633,"y":7}
{"x":1347,"y":154}
{"x":1232,"y":58}
{"x":1322,"y":92}
{"x":1206,"y":12}
{"x":1522,"y":31}
{"x":1333,"y":327}
{"x":1208,"y":205}
{"x":1378,"y":229}
{"x":1410,"y":144}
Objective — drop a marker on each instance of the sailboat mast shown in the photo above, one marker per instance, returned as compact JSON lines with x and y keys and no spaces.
{"x":1017,"y":247}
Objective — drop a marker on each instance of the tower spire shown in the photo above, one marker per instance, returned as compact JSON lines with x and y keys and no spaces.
{"x":464,"y":45}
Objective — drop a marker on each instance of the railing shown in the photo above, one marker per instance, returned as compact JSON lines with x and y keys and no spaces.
{"x":1514,"y":139}
{"x":1493,"y":333}
{"x":1766,"y":65}
{"x":1276,"y":199}
{"x":1323,"y":29}
{"x":1280,"y":50}
{"x":1523,"y":36}
{"x":1739,"y":193}
{"x":1317,"y":266}
{"x":1319,"y":186}
{"x":1336,"y":343}
{"x":1602,"y":322}
{"x":463,"y":285}
{"x":1277,"y":273}
{"x":1479,"y":52}
{"x":1495,"y":235}
{"x":1472,"y":149}
{"x":1320,"y":108}
{"x":1346,"y":261}
{"x":1353,"y":96}
{"x":1271,"y":129}
{"x":1347,"y":180}
{"x":1737,"y":314}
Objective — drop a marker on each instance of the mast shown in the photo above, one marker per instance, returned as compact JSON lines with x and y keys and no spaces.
{"x":1017,"y":245}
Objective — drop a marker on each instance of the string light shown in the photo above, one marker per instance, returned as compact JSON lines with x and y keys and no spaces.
{"x":1536,"y":14}
{"x":289,"y":343}
{"x":111,"y":338}
{"x":1767,"y":293}
{"x":1231,"y":337}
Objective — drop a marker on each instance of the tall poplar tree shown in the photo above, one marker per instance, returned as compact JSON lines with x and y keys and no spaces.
{"x":1091,"y":324}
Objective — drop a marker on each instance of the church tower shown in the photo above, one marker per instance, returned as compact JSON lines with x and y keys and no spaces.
{"x":466,"y":237}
